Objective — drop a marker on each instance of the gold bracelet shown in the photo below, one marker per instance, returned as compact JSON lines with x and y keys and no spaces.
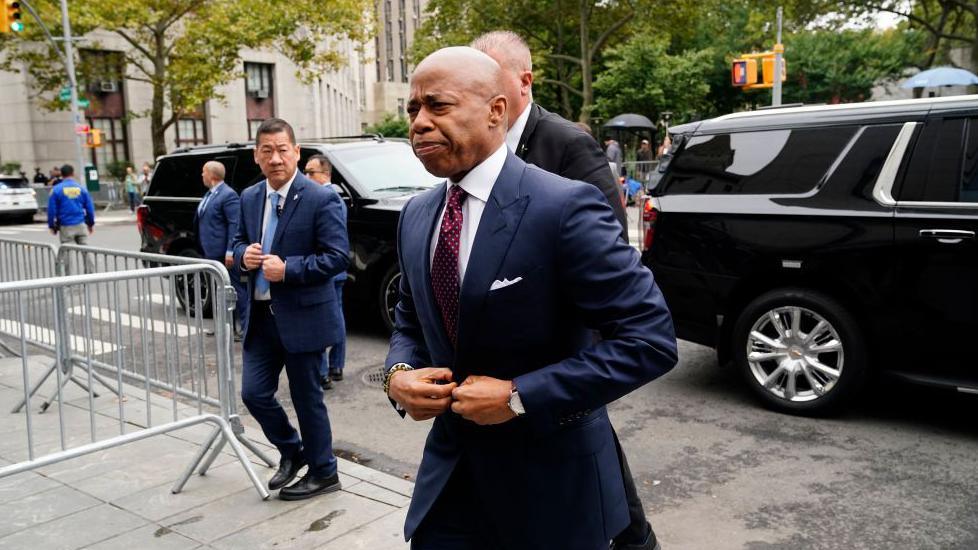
{"x":390,"y":373}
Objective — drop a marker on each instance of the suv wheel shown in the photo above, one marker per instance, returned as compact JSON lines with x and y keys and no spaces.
{"x":389,"y":294}
{"x":800,"y":351}
{"x":186,"y":289}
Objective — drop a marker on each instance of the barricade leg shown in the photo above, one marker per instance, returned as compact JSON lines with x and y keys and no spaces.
{"x":35,"y":389}
{"x":238,"y":429}
{"x":197,"y":458}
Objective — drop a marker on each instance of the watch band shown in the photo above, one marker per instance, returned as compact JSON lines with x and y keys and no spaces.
{"x":390,"y":373}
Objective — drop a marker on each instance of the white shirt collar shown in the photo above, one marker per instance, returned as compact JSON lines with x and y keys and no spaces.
{"x":284,"y":190}
{"x":479,"y":181}
{"x":213,"y":190}
{"x":514,"y":133}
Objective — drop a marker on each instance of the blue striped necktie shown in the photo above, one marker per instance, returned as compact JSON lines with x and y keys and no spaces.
{"x":261,"y":283}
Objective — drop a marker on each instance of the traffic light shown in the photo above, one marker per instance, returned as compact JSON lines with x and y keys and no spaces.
{"x":10,"y":18}
{"x":767,"y":68}
{"x":743,"y":72}
{"x":93,"y":138}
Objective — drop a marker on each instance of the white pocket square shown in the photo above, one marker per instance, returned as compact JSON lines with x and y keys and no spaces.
{"x":497,"y":284}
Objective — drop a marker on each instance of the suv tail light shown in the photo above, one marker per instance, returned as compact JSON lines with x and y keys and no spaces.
{"x":143,"y":224}
{"x":650,"y":213}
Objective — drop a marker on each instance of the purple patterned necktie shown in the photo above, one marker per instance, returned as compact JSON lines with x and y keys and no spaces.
{"x":444,"y":268}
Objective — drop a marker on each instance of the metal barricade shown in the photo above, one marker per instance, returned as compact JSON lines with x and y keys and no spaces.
{"x":19,"y":261}
{"x":197,"y":297}
{"x":117,"y":331}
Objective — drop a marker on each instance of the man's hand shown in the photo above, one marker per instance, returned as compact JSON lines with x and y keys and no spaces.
{"x":53,"y":231}
{"x":91,"y":229}
{"x":252,"y":256}
{"x":420,"y":392}
{"x":273,"y":267}
{"x":229,"y":261}
{"x":483,"y":400}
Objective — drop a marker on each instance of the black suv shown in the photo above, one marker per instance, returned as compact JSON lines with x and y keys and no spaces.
{"x":814,"y":245}
{"x":375,"y":177}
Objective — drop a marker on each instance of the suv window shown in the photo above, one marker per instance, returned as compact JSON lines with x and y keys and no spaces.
{"x":944,"y":164}
{"x":13,"y":183}
{"x":179,"y":176}
{"x":765,"y":162}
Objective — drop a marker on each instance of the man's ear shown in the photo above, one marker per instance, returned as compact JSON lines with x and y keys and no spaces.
{"x":497,"y":111}
{"x":526,"y":83}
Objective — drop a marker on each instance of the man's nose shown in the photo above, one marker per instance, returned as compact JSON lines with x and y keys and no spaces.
{"x":422,"y":122}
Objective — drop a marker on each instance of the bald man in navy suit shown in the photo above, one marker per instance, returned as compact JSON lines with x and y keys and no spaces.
{"x":507,"y":270}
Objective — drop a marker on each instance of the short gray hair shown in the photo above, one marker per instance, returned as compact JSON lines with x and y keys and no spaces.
{"x":215,"y":168}
{"x":510,"y":44}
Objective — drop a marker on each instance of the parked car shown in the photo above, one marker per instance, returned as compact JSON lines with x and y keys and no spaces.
{"x":815,"y":247}
{"x":375,"y":178}
{"x":17,"y":200}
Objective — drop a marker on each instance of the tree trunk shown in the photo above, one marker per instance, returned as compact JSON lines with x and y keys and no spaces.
{"x":587,"y":92}
{"x":157,"y":128}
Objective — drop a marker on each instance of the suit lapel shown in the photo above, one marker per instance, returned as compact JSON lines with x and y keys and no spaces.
{"x":288,"y":209}
{"x":498,"y":225}
{"x":531,"y":124}
{"x":258,"y":210}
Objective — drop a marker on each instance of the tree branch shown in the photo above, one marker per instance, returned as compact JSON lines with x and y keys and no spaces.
{"x":572,"y":59}
{"x":603,"y":37}
{"x":563,"y":85}
{"x":139,"y":47}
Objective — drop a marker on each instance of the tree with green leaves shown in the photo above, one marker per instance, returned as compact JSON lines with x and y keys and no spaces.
{"x":568,"y":38}
{"x":390,"y":126}
{"x":186,"y":49}
{"x":843,"y":65}
{"x":641,"y":76}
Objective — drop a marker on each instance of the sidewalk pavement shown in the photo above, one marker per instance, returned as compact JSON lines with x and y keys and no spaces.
{"x":120,"y":498}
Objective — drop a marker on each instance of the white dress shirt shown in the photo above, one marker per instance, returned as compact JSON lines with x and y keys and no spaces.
{"x":284,"y":193}
{"x":514,"y":133}
{"x":478,"y":185}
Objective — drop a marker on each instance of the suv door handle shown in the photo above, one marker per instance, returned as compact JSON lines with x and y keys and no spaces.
{"x":947,"y":236}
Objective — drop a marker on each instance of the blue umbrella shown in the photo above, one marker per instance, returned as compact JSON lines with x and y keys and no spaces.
{"x":941,"y":76}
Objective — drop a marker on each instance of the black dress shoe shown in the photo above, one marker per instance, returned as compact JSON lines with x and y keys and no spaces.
{"x":336,"y":375}
{"x":650,"y":543}
{"x":326,"y":382}
{"x":287,"y":470}
{"x":310,"y":486}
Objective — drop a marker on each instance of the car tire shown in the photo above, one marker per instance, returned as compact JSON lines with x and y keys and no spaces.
{"x":185,"y":292}
{"x":812,"y":368}
{"x":388,"y":294}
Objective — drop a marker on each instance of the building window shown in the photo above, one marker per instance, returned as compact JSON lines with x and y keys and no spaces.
{"x":404,"y":69}
{"x":390,"y":70}
{"x":114,"y":148}
{"x":191,"y":131}
{"x":259,"y":95}
{"x":400,"y":107}
{"x":258,"y":79}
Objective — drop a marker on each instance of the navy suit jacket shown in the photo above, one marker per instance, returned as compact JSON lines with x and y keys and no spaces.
{"x":217,"y":225}
{"x":551,"y":478}
{"x":311,"y":238}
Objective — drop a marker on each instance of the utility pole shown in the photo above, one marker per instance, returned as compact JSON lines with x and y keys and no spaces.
{"x":778,"y":51}
{"x":76,"y":116}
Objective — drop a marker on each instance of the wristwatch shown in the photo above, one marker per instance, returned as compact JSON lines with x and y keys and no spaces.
{"x":390,"y":372}
{"x":515,"y":403}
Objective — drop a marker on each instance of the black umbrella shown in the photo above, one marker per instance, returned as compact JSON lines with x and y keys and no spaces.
{"x":630,"y":121}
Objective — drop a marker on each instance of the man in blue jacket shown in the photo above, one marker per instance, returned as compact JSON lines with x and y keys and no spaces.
{"x":71,"y":213}
{"x":292,"y":242}
{"x":216,"y":224}
{"x":506,"y":272}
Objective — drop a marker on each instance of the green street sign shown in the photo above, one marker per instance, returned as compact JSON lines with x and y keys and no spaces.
{"x":83,"y":103}
{"x":65,"y":94}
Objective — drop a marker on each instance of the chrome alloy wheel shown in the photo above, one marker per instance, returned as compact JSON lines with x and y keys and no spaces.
{"x":392,"y":294}
{"x":795,"y":354}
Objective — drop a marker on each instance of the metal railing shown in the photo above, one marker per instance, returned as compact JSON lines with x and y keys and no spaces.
{"x":126,"y":323}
